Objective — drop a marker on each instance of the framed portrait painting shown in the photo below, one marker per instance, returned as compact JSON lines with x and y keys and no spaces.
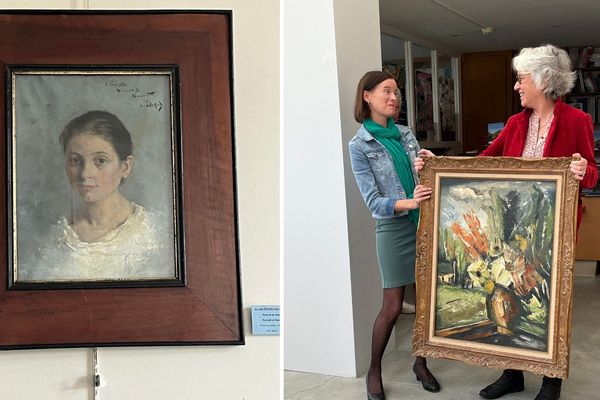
{"x":97,"y":203}
{"x":495,"y":255}
{"x":120,"y":219}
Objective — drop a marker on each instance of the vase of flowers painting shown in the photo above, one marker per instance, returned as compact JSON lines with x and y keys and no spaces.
{"x":494,"y":262}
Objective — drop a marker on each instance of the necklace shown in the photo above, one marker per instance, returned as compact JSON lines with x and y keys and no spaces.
{"x":543,"y":128}
{"x":536,"y":136}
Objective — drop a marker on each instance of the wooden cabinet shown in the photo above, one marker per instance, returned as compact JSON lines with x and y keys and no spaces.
{"x":487,"y":94}
{"x":588,"y":244}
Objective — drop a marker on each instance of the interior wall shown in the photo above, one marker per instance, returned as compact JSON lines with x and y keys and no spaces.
{"x":319,"y":333}
{"x":358,"y":51}
{"x":251,"y":371}
{"x":332,"y":288}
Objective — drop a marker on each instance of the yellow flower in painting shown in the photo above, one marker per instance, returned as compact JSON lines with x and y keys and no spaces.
{"x":499,"y":273}
{"x":483,"y":273}
{"x":489,"y":286}
{"x":478,"y":272}
{"x":522,"y":242}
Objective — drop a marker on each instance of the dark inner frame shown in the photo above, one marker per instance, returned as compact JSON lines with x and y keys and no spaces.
{"x":207,"y":310}
{"x":179,"y":277}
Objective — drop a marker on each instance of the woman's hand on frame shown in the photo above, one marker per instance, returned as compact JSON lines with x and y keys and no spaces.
{"x":421,"y":193}
{"x":578,"y":166}
{"x":419,"y":161}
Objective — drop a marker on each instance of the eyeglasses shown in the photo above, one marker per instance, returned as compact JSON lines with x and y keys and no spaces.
{"x":520,"y":77}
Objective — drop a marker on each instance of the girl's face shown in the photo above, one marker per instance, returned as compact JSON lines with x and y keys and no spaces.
{"x":93,"y":167}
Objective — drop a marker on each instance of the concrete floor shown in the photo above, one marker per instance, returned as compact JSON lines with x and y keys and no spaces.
{"x":463,"y":381}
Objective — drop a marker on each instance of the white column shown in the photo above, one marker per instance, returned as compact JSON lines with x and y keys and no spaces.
{"x":332,"y":288}
{"x":409,"y":88}
{"x":435,"y":94}
{"x":358,"y":44}
{"x":455,"y":62}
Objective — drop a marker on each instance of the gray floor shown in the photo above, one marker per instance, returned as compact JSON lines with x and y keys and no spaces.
{"x":462,"y":381}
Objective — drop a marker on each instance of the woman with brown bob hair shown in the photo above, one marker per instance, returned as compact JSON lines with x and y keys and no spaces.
{"x":385,"y":159}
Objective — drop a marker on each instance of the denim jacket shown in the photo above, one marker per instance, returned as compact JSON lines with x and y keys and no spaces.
{"x":375,"y":174}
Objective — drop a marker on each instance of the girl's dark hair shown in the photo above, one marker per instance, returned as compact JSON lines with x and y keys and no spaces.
{"x":367,"y":82}
{"x":103,"y":124}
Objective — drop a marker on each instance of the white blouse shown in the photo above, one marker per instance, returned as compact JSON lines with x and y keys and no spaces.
{"x":131,"y":251}
{"x":536,"y":137}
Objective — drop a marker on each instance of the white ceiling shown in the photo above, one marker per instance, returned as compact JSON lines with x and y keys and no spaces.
{"x":516,"y":23}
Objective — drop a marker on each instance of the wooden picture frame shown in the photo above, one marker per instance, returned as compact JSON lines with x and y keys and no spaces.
{"x":495,"y":256}
{"x":202,"y":304}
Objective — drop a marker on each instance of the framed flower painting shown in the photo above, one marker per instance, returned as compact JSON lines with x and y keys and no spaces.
{"x":495,"y":255}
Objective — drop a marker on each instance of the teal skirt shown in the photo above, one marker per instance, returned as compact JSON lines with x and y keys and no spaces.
{"x":396,"y":251}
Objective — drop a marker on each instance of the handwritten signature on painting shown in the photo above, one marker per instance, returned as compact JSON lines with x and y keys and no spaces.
{"x":144,"y":98}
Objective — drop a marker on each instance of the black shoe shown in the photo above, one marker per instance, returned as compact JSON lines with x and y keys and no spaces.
{"x":374,"y":396}
{"x":429,"y":383}
{"x":550,"y":389}
{"x":511,"y":381}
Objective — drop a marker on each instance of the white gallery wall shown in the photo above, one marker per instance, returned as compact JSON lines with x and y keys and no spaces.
{"x":319,"y":333}
{"x":332,"y":288}
{"x":252,"y":371}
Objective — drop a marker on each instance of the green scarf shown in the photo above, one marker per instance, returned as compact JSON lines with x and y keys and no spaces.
{"x":390,"y":139}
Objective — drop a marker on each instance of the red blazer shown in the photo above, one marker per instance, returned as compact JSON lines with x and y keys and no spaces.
{"x":571,"y":132}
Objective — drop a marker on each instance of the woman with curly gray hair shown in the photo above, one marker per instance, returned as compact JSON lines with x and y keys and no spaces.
{"x":546,"y":127}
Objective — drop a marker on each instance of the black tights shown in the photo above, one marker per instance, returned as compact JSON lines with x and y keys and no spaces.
{"x":382,"y":329}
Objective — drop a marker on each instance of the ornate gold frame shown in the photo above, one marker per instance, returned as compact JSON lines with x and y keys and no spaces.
{"x":555,"y":361}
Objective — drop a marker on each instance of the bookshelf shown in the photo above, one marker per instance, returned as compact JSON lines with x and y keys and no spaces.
{"x":586,"y":93}
{"x":586,"y":96}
